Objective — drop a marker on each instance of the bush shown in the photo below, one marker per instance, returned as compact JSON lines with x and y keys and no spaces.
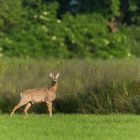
{"x":88,"y":36}
{"x":99,"y":87}
{"x":133,"y":39}
{"x":33,"y":30}
{"x":40,"y":36}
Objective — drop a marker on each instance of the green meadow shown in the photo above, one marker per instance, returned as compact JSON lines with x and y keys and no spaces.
{"x":94,"y":100}
{"x":70,"y":127}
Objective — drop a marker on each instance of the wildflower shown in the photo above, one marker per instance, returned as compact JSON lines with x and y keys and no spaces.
{"x":54,"y":38}
{"x":106,"y":42}
{"x":44,"y":28}
{"x":41,"y":17}
{"x":45,"y":13}
{"x":58,"y":21}
{"x":129,"y":55}
{"x":35,"y":16}
{"x":8,"y":40}
{"x":111,"y":56}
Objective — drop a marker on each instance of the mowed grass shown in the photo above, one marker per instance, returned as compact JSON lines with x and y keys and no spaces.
{"x":70,"y":127}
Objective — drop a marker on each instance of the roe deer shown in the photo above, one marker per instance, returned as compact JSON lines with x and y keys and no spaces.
{"x":31,"y":96}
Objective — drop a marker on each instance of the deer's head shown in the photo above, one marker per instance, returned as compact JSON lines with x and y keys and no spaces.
{"x":54,"y":77}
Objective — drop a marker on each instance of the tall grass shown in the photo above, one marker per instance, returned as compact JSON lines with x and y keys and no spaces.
{"x":85,"y":86}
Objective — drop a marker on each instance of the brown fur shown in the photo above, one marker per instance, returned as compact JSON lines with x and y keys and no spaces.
{"x":38,"y":95}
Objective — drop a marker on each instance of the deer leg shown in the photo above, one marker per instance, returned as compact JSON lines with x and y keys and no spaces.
{"x":17,"y":106}
{"x":27,"y":108}
{"x":50,"y":109}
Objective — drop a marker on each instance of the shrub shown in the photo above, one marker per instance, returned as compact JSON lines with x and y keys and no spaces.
{"x":133,"y":39}
{"x":100,"y":87}
{"x":33,"y":30}
{"x":88,"y":36}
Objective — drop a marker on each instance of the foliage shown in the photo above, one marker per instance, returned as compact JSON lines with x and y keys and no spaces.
{"x":87,"y":36}
{"x":133,"y":39}
{"x":39,"y":37}
{"x":32,"y":29}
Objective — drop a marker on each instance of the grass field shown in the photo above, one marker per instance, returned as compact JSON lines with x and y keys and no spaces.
{"x":70,"y":127}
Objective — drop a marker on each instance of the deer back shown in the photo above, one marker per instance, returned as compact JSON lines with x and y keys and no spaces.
{"x":38,"y":95}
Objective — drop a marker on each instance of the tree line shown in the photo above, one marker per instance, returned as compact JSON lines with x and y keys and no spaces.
{"x":69,"y":29}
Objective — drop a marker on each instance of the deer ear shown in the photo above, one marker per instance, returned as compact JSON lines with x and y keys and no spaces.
{"x":50,"y":74}
{"x":57,"y":75}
